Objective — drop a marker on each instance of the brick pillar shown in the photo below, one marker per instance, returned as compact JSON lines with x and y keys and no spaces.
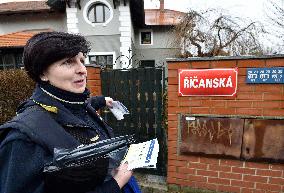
{"x":94,"y":80}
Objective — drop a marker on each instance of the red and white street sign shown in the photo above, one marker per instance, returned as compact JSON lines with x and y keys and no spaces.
{"x":208,"y":82}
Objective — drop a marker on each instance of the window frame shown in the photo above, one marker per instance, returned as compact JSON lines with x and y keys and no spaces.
{"x":140,"y":36}
{"x":87,"y":61}
{"x":91,"y":4}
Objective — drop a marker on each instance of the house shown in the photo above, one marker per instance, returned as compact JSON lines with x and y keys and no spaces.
{"x":153,"y":41}
{"x":121,"y":32}
{"x":18,"y":22}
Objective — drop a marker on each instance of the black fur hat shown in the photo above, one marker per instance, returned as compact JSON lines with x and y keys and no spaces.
{"x":45,"y":48}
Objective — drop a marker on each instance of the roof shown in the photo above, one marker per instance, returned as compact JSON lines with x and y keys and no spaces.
{"x":18,"y":39}
{"x":162,"y":17}
{"x":24,"y":7}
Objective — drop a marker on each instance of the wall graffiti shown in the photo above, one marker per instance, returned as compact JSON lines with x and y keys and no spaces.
{"x":211,"y":135}
{"x":249,"y":139}
{"x":210,"y":129}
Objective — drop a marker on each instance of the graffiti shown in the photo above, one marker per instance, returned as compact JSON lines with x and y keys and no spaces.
{"x":214,"y":130}
{"x":211,"y":135}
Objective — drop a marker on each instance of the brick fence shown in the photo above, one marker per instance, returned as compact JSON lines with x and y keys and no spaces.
{"x":94,"y":80}
{"x":254,"y":100}
{"x":251,"y":100}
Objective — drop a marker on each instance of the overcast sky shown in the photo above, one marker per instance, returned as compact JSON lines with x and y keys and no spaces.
{"x":251,"y":10}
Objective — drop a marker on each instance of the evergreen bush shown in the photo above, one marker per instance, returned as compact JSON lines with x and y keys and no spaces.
{"x":15,"y":87}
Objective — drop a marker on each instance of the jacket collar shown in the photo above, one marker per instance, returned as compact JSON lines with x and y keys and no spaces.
{"x":59,"y":112}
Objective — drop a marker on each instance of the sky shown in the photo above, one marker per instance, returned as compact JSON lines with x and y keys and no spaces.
{"x":250,"y":10}
{"x":253,"y":9}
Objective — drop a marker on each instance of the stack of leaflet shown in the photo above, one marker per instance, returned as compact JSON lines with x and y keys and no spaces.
{"x":118,"y":110}
{"x":142,"y":155}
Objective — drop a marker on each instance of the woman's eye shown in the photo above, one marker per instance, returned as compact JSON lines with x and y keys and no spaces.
{"x":82,"y":61}
{"x":67,"y":62}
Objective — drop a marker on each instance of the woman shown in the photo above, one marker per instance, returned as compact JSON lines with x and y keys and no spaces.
{"x":59,"y":114}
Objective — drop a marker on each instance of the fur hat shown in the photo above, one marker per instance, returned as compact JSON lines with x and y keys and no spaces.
{"x":45,"y":48}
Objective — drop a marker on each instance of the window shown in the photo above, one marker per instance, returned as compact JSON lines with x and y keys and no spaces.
{"x":147,"y":63}
{"x":10,"y":60}
{"x":146,"y":37}
{"x":97,"y":12}
{"x":105,"y":61}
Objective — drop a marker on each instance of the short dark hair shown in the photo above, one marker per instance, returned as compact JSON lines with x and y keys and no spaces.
{"x":45,"y":48}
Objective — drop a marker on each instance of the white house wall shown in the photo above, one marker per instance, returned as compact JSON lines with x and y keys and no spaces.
{"x":114,"y":36}
{"x":19,"y":22}
{"x":162,"y":37}
{"x":125,"y":38}
{"x":100,"y":45}
{"x":161,"y":48}
{"x":111,"y":28}
{"x":72,"y":20}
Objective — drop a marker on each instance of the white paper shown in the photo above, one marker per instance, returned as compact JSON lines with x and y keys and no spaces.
{"x":118,"y":110}
{"x":142,"y":155}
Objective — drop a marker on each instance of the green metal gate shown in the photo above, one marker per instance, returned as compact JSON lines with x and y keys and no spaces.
{"x":141,"y":91}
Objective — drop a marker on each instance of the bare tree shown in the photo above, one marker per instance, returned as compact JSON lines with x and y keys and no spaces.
{"x":211,"y":33}
{"x":275,"y":13}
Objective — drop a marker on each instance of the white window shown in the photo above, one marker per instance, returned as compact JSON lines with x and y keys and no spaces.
{"x":98,"y":12}
{"x":102,"y":59}
{"x":146,"y":37}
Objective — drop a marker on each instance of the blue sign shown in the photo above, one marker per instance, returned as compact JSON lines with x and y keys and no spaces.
{"x":265,"y":75}
{"x":150,"y":151}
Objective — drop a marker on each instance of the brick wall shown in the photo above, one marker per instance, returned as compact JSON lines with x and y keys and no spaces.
{"x":253,"y":100}
{"x":94,"y":80}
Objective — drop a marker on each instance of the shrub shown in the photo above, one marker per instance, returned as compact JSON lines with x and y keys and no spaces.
{"x":15,"y":87}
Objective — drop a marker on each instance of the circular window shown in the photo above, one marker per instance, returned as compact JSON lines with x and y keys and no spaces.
{"x":97,"y":12}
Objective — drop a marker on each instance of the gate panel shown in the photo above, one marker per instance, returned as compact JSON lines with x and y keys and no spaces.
{"x":141,"y":91}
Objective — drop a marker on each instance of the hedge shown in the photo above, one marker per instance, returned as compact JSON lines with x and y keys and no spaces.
{"x":15,"y":87}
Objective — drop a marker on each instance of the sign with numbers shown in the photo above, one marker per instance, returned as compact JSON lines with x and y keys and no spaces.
{"x":265,"y":75}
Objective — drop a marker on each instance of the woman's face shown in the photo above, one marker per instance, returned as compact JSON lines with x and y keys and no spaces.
{"x":68,"y":74}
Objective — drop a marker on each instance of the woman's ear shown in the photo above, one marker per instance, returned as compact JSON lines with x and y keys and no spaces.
{"x":43,"y":78}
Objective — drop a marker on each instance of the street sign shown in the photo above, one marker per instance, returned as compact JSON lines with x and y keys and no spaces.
{"x":208,"y":82}
{"x":273,"y":75}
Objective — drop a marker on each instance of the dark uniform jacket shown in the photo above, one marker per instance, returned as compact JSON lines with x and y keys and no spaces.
{"x":27,"y":143}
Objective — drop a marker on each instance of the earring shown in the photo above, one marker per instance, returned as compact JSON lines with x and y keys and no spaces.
{"x":44,"y":79}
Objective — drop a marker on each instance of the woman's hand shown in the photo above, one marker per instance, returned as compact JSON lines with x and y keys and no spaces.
{"x":122,"y":175}
{"x":109,"y":101}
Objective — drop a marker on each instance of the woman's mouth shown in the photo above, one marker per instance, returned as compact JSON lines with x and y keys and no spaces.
{"x":80,"y":82}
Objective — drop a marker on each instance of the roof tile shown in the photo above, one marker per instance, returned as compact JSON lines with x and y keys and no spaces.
{"x":18,"y":39}
{"x":25,"y":6}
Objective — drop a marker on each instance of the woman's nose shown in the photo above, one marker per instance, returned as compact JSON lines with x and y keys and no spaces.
{"x":81,"y":68}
